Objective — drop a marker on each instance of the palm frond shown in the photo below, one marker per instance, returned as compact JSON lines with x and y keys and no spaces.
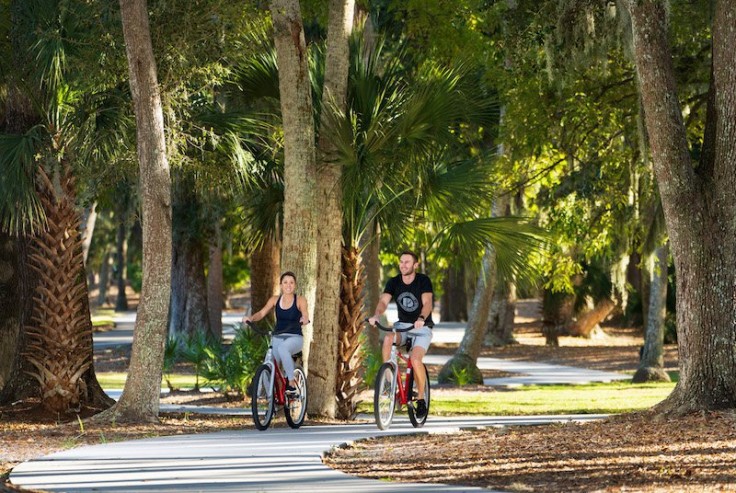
{"x":20,"y":208}
{"x":514,"y":239}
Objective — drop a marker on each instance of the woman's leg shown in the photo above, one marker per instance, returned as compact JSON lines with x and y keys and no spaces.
{"x":283,"y":349}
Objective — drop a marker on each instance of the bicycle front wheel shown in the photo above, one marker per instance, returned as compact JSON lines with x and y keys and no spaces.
{"x":262,"y":397}
{"x":384,"y":398}
{"x":296,"y":406}
{"x":416,"y":421}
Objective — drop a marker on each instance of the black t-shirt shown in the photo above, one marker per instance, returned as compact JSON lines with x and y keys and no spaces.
{"x":408,"y":297}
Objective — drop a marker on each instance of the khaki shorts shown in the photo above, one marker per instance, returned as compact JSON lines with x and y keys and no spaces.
{"x":419,"y":337}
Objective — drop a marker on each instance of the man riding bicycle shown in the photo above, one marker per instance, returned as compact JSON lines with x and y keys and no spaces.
{"x":414,"y":298}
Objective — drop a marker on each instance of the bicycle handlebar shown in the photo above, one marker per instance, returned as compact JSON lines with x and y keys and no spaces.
{"x":392,"y":329}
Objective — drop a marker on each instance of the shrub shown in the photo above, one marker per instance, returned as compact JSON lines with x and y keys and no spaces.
{"x":232,"y":368}
{"x":197,"y":349}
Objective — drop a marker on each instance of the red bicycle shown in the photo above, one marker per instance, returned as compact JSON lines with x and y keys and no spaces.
{"x":268,"y":391}
{"x":391,"y":388}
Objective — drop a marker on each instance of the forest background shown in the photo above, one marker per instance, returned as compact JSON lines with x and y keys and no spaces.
{"x":522,"y":148}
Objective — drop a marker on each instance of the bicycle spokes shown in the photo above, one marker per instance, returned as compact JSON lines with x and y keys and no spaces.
{"x":295,"y":408}
{"x":384,"y":399}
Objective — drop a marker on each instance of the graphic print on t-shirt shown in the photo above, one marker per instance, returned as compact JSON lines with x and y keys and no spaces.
{"x":408,"y":302}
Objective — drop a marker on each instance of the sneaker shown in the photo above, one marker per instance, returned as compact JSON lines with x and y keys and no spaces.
{"x":291,"y":391}
{"x":420,"y":409}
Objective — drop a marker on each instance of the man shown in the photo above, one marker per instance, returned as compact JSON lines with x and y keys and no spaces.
{"x":414,"y":298}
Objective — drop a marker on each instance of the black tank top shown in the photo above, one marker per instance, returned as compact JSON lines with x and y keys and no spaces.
{"x":287,"y":320}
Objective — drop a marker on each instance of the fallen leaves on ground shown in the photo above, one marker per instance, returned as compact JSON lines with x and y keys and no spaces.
{"x":636,"y":452}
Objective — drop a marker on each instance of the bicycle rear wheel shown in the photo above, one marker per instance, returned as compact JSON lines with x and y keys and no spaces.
{"x":262,"y":397}
{"x":296,"y":406}
{"x":384,"y":398}
{"x":415,"y":420}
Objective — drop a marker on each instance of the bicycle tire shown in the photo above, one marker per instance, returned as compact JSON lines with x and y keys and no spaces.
{"x":384,"y":400}
{"x":296,"y":407}
{"x":415,"y":421}
{"x":262,"y":395}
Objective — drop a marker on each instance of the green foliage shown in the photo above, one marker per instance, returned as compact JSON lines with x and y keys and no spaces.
{"x":372,"y":361}
{"x":172,"y":351}
{"x":197,"y":349}
{"x":235,"y":272}
{"x":232,"y":369}
{"x":134,"y":274}
{"x":460,"y":376}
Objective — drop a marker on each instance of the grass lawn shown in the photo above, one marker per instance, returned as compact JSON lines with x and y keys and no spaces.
{"x":603,"y":398}
{"x":116,"y":380}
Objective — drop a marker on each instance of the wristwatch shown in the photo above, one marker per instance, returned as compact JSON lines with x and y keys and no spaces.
{"x":420,"y":317}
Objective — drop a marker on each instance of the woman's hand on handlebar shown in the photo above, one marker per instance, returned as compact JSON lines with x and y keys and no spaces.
{"x":373,"y":320}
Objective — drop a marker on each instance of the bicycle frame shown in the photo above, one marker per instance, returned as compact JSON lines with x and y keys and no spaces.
{"x":278,"y":381}
{"x":401,"y":385}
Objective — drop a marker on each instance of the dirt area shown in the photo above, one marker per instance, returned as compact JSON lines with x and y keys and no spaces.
{"x":694,"y":453}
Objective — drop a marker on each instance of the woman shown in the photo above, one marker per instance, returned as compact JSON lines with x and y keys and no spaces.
{"x":291,"y":314}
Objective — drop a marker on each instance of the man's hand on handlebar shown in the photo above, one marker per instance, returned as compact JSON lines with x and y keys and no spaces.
{"x":372,"y":320}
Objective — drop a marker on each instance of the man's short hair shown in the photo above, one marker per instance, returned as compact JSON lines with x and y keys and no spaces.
{"x":409,"y":252}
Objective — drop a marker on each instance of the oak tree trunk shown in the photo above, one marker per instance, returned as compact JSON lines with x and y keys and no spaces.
{"x":139,"y":401}
{"x":587,"y":321}
{"x":188,"y":289}
{"x":121,"y":262}
{"x":299,"y":248}
{"x":466,"y":357}
{"x":454,"y":306}
{"x":699,"y":203}
{"x":651,"y":365}
{"x":215,"y":284}
{"x":500,"y":329}
{"x":264,"y":274}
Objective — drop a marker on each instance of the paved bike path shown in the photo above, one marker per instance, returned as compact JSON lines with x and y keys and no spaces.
{"x":277,"y":460}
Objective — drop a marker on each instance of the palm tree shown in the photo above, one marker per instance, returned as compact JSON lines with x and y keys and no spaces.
{"x":39,"y":203}
{"x":406,"y":170}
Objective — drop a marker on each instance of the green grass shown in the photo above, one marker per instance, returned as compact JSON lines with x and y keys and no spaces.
{"x":116,"y":380}
{"x":103,"y":318}
{"x":604,"y":398}
{"x":598,"y":398}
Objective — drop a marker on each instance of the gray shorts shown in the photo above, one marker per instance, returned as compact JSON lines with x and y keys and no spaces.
{"x":419,"y":337}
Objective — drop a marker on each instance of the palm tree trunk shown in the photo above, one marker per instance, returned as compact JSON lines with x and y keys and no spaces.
{"x":352,"y":313}
{"x":327,"y":328}
{"x":372,"y":268}
{"x":59,"y":335}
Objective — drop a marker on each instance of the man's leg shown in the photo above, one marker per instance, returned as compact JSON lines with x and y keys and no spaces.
{"x":420,"y":376}
{"x":386,"y":350}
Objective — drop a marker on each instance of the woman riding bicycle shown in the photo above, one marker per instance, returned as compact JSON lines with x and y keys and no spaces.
{"x":291,"y":314}
{"x":414,"y":298}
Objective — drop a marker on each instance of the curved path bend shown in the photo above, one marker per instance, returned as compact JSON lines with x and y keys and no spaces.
{"x":277,"y":460}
